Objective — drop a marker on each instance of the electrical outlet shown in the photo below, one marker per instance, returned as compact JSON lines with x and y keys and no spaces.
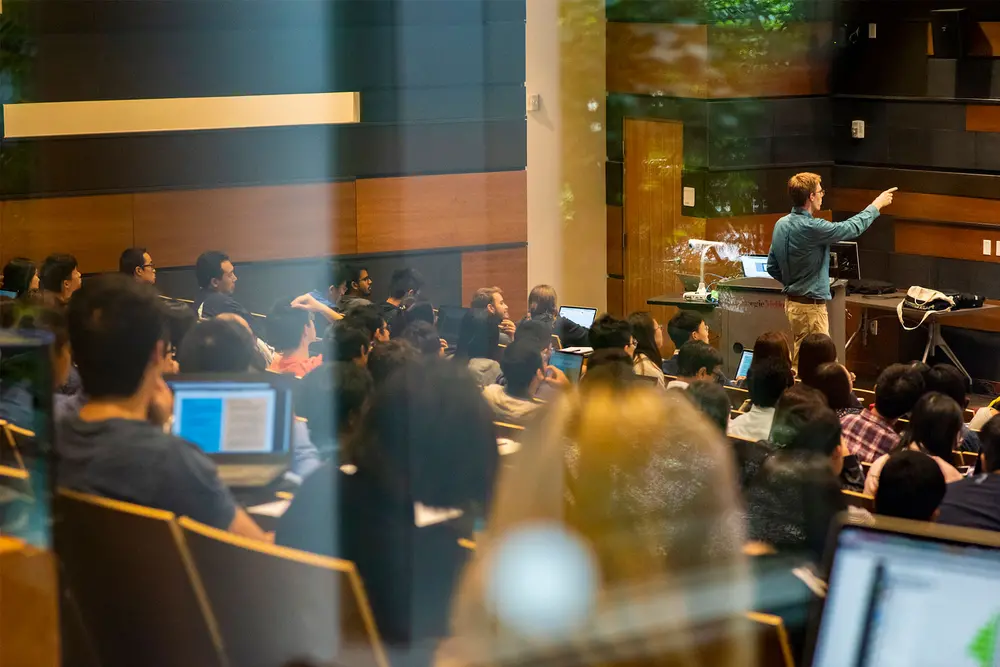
{"x":871,"y":31}
{"x":987,"y":247}
{"x":857,"y":129}
{"x":688,"y":199}
{"x":997,"y":246}
{"x":534,"y":102}
{"x":873,"y":327}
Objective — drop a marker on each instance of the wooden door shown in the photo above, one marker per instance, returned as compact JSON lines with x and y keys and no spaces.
{"x":653,"y":164}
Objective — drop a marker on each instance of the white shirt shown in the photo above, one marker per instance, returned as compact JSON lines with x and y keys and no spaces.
{"x":754,"y":425}
{"x":677,"y":384}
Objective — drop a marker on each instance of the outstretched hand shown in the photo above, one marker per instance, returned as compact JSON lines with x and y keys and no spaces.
{"x":884,"y":199}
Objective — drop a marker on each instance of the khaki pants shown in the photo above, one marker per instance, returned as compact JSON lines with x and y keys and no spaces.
{"x":805,"y":319}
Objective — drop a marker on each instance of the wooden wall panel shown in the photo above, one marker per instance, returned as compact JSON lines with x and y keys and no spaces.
{"x":752,"y":233}
{"x":251,"y":224}
{"x":936,"y":240}
{"x":506,"y":269}
{"x":442,"y":211}
{"x":919,"y":206}
{"x":616,"y":297}
{"x":715,"y":61}
{"x":616,"y":255}
{"x":982,"y":118}
{"x":94,"y":229}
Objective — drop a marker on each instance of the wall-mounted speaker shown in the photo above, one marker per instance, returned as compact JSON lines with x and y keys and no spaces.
{"x":950,"y":32}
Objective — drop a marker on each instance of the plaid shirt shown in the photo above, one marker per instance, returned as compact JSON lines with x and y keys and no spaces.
{"x":867,"y":435}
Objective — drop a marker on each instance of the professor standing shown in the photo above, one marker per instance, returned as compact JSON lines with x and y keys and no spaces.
{"x":800,"y":254}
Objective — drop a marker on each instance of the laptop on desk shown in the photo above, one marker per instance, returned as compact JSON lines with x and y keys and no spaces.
{"x":242,"y":422}
{"x":910,"y":593}
{"x":582,"y":316}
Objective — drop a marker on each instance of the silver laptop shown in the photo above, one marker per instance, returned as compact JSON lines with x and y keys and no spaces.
{"x":911,"y":593}
{"x":755,"y":266}
{"x":582,"y":316}
{"x":242,"y":422}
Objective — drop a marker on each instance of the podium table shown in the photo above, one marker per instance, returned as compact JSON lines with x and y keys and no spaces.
{"x":747,"y":308}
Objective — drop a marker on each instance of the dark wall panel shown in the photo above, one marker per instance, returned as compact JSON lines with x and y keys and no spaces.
{"x":406,"y":105}
{"x":261,"y":284}
{"x":982,"y":186}
{"x":115,"y":52}
{"x":721,"y":194}
{"x":257,"y":156}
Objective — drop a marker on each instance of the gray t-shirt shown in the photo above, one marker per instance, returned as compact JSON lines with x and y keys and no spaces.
{"x":135,"y":461}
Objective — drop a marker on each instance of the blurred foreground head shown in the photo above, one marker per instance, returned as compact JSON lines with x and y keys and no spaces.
{"x":616,"y":534}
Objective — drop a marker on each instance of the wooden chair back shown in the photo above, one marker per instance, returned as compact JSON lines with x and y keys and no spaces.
{"x":138,"y":593}
{"x":773,"y":647}
{"x":29,"y":610}
{"x":737,"y":396}
{"x":861,"y":500}
{"x":275,"y":604}
{"x":966,"y":458}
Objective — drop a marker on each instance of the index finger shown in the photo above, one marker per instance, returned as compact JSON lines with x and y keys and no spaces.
{"x":892,"y":189}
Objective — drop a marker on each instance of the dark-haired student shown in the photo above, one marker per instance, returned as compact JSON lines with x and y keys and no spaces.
{"x":401,"y":467}
{"x":490,"y":299}
{"x":948,"y":380}
{"x":525,"y":372}
{"x":388,"y":358}
{"x":405,"y":283}
{"x":359,"y":287}
{"x":834,"y":380}
{"x":351,"y":343}
{"x":331,"y":399}
{"x":543,"y":306}
{"x":223,"y":345}
{"x":814,"y":350}
{"x":767,"y":380}
{"x":610,"y":333}
{"x":647,"y":360}
{"x":974,"y":502}
{"x":369,"y":317}
{"x":137,"y":264}
{"x":934,"y":429}
{"x":60,"y":276}
{"x":696,"y":361}
{"x":911,"y":486}
{"x":424,"y":337}
{"x":711,"y":400}
{"x":117,"y":329}
{"x":20,"y":275}
{"x":870,"y":434}
{"x":216,"y":284}
{"x":685,"y":325}
{"x":478,"y":346}
{"x":290,"y":331}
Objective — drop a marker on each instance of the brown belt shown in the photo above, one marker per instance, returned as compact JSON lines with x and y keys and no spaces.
{"x":806,"y":300}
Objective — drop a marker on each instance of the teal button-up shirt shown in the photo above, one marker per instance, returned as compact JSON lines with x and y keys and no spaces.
{"x":800,"y":250}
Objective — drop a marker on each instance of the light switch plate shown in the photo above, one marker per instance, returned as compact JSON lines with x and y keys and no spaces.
{"x":688,"y":196}
{"x":987,"y":247}
{"x":871,"y":31}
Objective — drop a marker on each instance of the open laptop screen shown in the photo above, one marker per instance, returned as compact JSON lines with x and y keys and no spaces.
{"x":746,"y":357}
{"x":755,"y":266}
{"x":224,"y":416}
{"x":582,"y":316}
{"x":570,"y":364}
{"x":899,"y":599}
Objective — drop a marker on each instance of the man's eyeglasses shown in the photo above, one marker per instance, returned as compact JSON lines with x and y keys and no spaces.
{"x":149,"y":266}
{"x":820,"y":192}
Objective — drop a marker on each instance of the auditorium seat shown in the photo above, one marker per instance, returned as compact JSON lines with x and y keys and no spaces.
{"x":861,"y":500}
{"x":773,"y":647}
{"x":130,"y":573}
{"x":275,"y":604}
{"x":29,"y":613}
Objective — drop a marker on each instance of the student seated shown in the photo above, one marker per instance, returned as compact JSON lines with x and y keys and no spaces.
{"x":404,"y":284}
{"x":543,"y":306}
{"x":685,"y":325}
{"x":344,"y":386}
{"x":974,"y":502}
{"x":19,"y":277}
{"x":137,"y":264}
{"x":948,"y":380}
{"x":834,"y":380}
{"x":767,"y":380}
{"x":911,"y":486}
{"x":290,"y":331}
{"x":117,"y":329}
{"x":934,"y":429}
{"x":610,"y":333}
{"x":220,"y":345}
{"x":696,"y":361}
{"x":351,"y":343}
{"x":358,"y":290}
{"x":424,"y":337}
{"x":388,"y":358}
{"x":525,"y":372}
{"x":769,"y":345}
{"x":490,"y":300}
{"x":792,"y":504}
{"x":871,"y":433}
{"x":423,"y":427}
{"x":478,"y":346}
{"x":815,"y":350}
{"x":60,"y":276}
{"x":711,"y":400}
{"x":369,"y":317}
{"x":216,"y":284}
{"x":180,"y":321}
{"x":648,"y":334}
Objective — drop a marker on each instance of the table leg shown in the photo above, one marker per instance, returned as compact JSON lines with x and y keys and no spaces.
{"x":862,"y":327}
{"x":937,"y":341}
